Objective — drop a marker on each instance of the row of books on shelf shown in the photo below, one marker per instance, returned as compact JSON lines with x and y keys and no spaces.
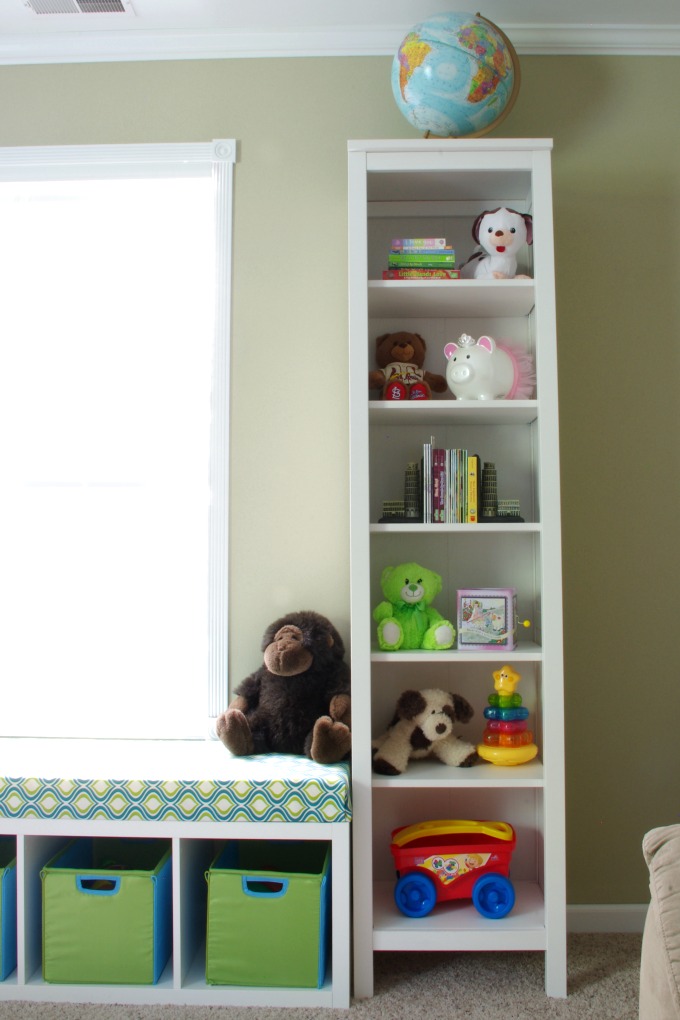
{"x":451,"y":485}
{"x":421,"y":258}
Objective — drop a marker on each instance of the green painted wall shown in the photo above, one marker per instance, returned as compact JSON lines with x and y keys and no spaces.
{"x":617,"y":222}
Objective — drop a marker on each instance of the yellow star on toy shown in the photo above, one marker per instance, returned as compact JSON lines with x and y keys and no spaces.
{"x":505,"y":680}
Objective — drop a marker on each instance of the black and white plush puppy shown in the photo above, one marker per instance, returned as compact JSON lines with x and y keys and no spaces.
{"x":500,"y":234}
{"x":422,"y":727}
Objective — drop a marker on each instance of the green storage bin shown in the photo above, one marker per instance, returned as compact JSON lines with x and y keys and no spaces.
{"x":8,"y":906}
{"x":107,"y":911}
{"x":269,"y":914}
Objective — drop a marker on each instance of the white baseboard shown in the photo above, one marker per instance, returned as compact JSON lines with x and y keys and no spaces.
{"x":606,"y":917}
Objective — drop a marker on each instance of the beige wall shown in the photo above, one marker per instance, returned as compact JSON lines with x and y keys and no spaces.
{"x":617,"y":218}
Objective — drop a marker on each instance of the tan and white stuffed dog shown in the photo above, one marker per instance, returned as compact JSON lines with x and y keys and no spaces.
{"x":500,"y":233}
{"x":422,"y":727}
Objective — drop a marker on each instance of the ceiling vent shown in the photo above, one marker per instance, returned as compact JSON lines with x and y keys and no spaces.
{"x":80,"y":6}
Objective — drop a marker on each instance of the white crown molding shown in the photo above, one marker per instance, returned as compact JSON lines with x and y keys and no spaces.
{"x":597,"y":40}
{"x":94,"y":47}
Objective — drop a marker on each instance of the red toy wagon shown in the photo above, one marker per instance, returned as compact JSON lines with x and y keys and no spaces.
{"x":454,"y":859}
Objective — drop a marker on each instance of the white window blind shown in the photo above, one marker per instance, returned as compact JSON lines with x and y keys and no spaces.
{"x":114,"y":330}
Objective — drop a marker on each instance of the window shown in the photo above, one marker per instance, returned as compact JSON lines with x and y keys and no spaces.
{"x":114,"y":375}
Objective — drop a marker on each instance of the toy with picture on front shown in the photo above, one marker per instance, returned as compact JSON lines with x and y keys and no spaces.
{"x":506,"y":739}
{"x":451,"y":859}
{"x":500,"y":234}
{"x":406,"y":618}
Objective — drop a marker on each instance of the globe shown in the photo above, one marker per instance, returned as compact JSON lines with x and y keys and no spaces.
{"x":455,"y":75}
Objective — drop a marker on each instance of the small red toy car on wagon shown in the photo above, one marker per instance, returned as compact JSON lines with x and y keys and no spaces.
{"x":454,"y":859}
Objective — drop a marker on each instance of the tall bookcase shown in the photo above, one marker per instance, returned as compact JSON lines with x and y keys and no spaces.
{"x":436,"y":188}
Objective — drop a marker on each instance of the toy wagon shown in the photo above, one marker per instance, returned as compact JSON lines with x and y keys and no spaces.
{"x":453,"y":859}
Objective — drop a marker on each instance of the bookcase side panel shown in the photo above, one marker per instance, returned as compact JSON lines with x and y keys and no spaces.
{"x":360,"y":608}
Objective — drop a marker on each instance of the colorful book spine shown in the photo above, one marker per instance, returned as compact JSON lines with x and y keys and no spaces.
{"x":406,"y":243}
{"x":423,"y":251}
{"x":421,"y":274}
{"x":450,"y":485}
{"x":439,"y":486}
{"x":452,"y":502}
{"x":426,"y":475}
{"x":473,"y":475}
{"x":462,"y":485}
{"x":426,"y":260}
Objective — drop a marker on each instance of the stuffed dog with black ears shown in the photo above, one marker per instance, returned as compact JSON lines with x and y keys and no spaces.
{"x":422,"y":727}
{"x":500,"y":234}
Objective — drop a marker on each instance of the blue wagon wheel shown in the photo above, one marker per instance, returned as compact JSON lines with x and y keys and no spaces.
{"x":415,"y":894}
{"x":493,"y":895}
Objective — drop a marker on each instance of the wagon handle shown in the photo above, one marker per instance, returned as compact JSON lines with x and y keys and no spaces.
{"x":448,"y":826}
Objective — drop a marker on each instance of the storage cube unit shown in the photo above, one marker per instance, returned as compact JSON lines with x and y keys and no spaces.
{"x":264,"y":798}
{"x":268,"y":914}
{"x":107,"y":911}
{"x":8,"y":906}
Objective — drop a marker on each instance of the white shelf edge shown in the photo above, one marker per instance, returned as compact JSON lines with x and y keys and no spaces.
{"x":525,"y":651}
{"x":434,"y":775}
{"x":458,"y":926}
{"x":442,"y":529}
{"x":450,"y":298}
{"x":209,"y":995}
{"x":456,"y":145}
{"x":453,"y":412}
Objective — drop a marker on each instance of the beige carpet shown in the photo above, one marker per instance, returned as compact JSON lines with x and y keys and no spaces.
{"x":603,"y":985}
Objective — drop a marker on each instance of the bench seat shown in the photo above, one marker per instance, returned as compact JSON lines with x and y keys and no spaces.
{"x":185,"y":781}
{"x":196,"y":794}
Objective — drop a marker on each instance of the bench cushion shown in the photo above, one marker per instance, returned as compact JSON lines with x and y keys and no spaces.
{"x":188,"y":781}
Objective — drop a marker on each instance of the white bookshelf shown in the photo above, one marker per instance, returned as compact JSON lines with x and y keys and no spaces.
{"x":436,"y":188}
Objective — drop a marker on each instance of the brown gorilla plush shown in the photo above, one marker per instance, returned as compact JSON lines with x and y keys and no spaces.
{"x":298,"y":701}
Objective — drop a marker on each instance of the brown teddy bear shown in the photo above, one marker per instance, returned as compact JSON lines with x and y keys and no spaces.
{"x":298,"y":701}
{"x":401,"y":375}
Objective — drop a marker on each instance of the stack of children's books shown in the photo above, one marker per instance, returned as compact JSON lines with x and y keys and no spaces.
{"x":450,"y":485}
{"x":421,"y":258}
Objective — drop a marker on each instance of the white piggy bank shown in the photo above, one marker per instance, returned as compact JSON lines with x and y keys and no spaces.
{"x":485,"y":370}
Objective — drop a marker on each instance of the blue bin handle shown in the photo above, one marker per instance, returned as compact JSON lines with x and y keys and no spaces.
{"x":262,"y":886}
{"x":90,"y":884}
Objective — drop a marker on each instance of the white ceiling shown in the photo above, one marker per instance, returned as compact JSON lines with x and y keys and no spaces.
{"x":181,"y":29}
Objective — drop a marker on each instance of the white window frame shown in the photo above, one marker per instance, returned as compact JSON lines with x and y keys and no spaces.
{"x":215,"y":158}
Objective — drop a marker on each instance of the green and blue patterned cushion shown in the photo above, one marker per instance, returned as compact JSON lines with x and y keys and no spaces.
{"x":259,"y":788}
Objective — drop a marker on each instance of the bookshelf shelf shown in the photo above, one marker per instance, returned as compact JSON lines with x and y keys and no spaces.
{"x":449,"y":298}
{"x":462,"y":529}
{"x":435,"y":188}
{"x":462,"y":412}
{"x":462,"y":929}
{"x":526,"y":651}
{"x":433,"y":775}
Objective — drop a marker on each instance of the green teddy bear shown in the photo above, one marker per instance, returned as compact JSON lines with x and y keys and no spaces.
{"x":407,"y":619}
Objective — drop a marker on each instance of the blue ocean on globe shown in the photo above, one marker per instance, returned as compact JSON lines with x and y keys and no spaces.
{"x":455,"y":75}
